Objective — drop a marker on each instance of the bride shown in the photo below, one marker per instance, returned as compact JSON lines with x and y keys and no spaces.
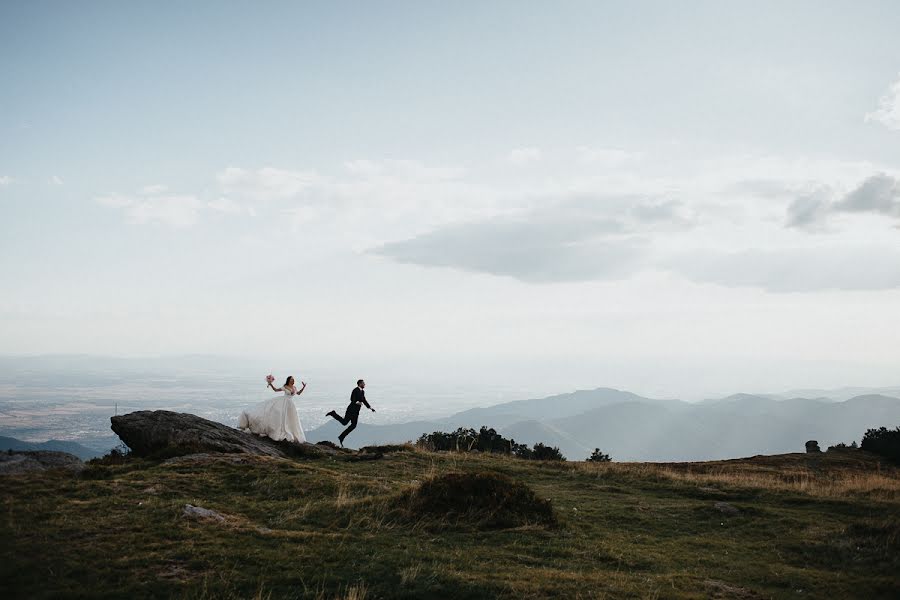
{"x":276,"y":417}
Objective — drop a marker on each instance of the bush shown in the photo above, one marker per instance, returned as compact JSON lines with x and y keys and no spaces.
{"x":597,"y":456}
{"x":485,"y":439}
{"x":883,"y":441}
{"x":542,"y":452}
{"x":117,"y":456}
{"x":843,"y":446}
{"x":483,"y":500}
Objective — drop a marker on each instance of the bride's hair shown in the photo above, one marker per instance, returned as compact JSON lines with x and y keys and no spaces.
{"x":288,"y":380}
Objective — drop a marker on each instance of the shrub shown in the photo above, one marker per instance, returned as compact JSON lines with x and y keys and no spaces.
{"x":843,"y":446}
{"x":883,"y":441}
{"x":485,"y":439}
{"x":117,"y":456}
{"x":484,"y":500}
{"x":597,"y":456}
{"x":542,"y":452}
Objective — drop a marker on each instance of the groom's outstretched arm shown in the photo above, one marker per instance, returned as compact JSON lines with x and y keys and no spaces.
{"x":362,"y":397}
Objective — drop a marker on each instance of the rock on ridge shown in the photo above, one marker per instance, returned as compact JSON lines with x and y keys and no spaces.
{"x":167,"y":433}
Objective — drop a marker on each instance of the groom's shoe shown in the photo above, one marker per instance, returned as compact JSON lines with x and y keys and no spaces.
{"x":341,"y":440}
{"x":331,"y":413}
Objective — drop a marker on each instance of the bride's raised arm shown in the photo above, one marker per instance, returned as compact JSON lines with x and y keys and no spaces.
{"x":302,"y":387}
{"x":275,"y":388}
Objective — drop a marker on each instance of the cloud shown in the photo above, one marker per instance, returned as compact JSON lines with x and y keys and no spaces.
{"x":668,"y":212}
{"x":531,"y":250}
{"x":178,"y":211}
{"x":56,"y":180}
{"x":581,"y":238}
{"x":520,"y":157}
{"x":878,"y":194}
{"x":888,"y":111}
{"x":606,"y":157}
{"x":154,"y":190}
{"x":5,"y":180}
{"x":809,"y":210}
{"x":230,"y":207}
{"x":407,"y":170}
{"x":267,"y":183}
{"x":795,"y":269}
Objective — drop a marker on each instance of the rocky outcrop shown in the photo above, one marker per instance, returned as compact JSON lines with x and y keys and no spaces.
{"x":15,"y":462}
{"x":197,"y":512}
{"x":812,"y":446}
{"x":162,"y":433}
{"x":726,"y":509}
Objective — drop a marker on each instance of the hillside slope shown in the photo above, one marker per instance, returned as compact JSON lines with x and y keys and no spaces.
{"x":812,"y":526}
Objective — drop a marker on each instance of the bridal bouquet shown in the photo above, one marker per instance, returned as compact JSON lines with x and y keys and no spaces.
{"x":269,"y":379}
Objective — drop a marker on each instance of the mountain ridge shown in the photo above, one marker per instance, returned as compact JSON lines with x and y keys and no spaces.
{"x":631,"y":427}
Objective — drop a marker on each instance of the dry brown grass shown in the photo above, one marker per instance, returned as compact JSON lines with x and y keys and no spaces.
{"x":815,"y":478}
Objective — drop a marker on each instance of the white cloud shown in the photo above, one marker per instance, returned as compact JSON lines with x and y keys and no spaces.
{"x":267,"y":183}
{"x":522,"y":156}
{"x":230,"y":207}
{"x":888,"y":111}
{"x":178,"y":211}
{"x":154,"y":190}
{"x":606,"y":157}
{"x":837,"y":267}
{"x":407,"y":170}
{"x":5,"y":180}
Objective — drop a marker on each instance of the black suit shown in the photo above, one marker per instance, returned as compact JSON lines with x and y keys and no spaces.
{"x":357,"y":399}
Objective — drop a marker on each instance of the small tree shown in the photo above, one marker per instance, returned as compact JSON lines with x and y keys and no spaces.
{"x":883,"y":441}
{"x":542,"y":452}
{"x":522,"y":451}
{"x":597,"y":456}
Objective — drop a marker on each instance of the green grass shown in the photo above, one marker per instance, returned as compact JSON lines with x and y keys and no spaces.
{"x":825,"y":526}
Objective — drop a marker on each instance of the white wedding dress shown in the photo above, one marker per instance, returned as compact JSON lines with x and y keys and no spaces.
{"x":275,"y":418}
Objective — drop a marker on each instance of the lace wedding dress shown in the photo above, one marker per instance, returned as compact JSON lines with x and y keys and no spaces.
{"x":275,"y":418}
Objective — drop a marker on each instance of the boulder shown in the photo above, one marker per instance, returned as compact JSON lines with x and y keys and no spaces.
{"x":726,"y":509}
{"x":197,"y":512}
{"x":14,"y":462}
{"x":813,"y":446}
{"x":162,"y":433}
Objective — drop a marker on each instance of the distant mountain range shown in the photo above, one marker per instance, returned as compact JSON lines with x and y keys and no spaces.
{"x":82,"y":452}
{"x":633,"y":428}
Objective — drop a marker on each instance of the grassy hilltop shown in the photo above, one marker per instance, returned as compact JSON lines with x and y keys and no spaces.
{"x":789,"y":526}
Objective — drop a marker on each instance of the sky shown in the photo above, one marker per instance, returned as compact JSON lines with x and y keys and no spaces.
{"x":676,"y":199}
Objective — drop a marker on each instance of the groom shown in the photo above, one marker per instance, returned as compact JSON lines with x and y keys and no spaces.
{"x":357,"y":398}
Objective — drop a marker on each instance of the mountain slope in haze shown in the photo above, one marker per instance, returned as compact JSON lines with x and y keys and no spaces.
{"x":82,"y":452}
{"x":739,"y":427}
{"x":551,"y":407}
{"x":632,"y":428}
{"x":841,"y":394}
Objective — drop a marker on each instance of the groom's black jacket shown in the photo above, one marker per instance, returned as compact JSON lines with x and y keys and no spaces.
{"x":358,"y":396}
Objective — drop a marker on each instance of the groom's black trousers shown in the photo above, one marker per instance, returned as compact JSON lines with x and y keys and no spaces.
{"x":350,"y":416}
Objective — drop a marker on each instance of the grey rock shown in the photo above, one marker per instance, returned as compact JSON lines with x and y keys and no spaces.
{"x":13,"y":462}
{"x":813,"y":446}
{"x":157,"y":432}
{"x":725,"y":508}
{"x":196,"y":512}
